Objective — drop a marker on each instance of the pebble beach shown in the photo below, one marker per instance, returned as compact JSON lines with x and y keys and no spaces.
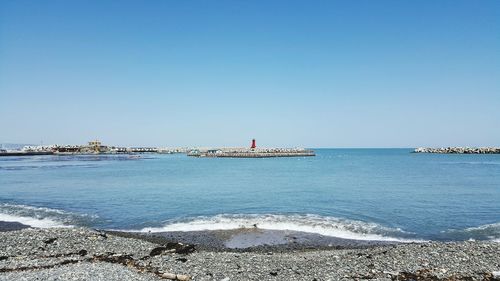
{"x":86,"y":254}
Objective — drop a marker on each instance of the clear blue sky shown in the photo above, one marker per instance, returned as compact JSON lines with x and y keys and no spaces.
{"x":288,"y":73}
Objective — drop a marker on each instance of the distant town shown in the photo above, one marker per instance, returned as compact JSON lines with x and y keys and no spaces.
{"x":92,"y":147}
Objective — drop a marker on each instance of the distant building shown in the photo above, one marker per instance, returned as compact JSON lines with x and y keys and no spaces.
{"x":214,"y":151}
{"x":96,"y":146}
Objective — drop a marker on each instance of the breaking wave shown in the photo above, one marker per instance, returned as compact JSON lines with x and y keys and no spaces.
{"x":488,"y":231}
{"x":327,"y":226}
{"x":33,"y":222}
{"x":42,"y":217}
{"x":482,"y":232}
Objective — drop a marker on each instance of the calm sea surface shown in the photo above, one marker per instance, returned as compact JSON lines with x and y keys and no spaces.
{"x":381,"y":194}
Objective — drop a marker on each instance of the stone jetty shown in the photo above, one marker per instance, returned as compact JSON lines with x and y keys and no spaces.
{"x":252,"y":152}
{"x":459,"y":150}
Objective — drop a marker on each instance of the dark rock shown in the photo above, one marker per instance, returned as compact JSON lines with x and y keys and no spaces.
{"x":120,"y":259}
{"x":50,"y":240}
{"x":181,"y":248}
{"x":68,"y":262}
{"x":177,"y":248}
{"x":157,"y":251}
{"x":273,"y":273}
{"x":181,"y":259}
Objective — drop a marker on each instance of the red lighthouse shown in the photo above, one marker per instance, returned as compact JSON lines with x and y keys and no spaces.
{"x":253,"y":144}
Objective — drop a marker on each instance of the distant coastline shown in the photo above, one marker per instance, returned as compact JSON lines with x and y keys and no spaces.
{"x":96,"y":147}
{"x":92,"y":147}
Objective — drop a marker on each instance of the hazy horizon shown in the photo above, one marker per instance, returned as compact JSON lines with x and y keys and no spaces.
{"x":386,"y":74}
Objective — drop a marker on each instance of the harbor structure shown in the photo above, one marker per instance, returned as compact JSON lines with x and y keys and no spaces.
{"x":252,"y":152}
{"x":96,"y":147}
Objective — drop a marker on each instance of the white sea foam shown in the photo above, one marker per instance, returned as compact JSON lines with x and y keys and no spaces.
{"x":33,"y":222}
{"x":18,"y":207}
{"x":489,"y":232}
{"x":327,"y":226}
{"x":41,"y":217}
{"x":491,"y":227}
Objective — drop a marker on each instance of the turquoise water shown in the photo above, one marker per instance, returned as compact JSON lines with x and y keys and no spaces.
{"x":373,"y":194}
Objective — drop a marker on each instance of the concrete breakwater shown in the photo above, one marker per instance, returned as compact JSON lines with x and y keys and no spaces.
{"x":253,"y":153}
{"x":459,"y":150}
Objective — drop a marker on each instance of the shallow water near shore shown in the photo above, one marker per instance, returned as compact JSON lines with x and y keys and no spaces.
{"x":364,"y":194}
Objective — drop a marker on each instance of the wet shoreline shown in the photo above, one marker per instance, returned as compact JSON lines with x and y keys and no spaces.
{"x":11,"y":226}
{"x":239,"y":240}
{"x":253,"y":240}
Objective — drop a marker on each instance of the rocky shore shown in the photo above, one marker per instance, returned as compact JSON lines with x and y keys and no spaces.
{"x":459,"y":150}
{"x":84,"y":254}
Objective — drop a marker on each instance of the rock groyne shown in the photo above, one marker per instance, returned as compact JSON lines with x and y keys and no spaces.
{"x":459,"y":150}
{"x":253,"y":153}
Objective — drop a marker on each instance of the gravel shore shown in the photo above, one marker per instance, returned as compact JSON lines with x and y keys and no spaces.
{"x":84,"y":254}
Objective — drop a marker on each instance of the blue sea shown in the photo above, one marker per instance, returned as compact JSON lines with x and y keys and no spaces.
{"x":368,"y":194}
